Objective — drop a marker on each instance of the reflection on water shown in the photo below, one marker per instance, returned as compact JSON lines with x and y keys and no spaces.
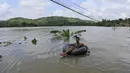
{"x":38,"y":53}
{"x":70,"y":60}
{"x":114,"y":28}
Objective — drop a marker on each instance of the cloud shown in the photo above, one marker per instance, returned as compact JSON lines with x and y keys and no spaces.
{"x":33,"y":4}
{"x":64,"y":12}
{"x":31,"y":8}
{"x":108,"y":9}
{"x":4,"y":10}
{"x":26,"y":8}
{"x":98,"y":9}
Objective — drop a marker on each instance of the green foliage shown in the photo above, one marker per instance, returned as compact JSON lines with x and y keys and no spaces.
{"x":55,"y":32}
{"x":45,"y":21}
{"x":34,"y":41}
{"x":65,"y":34}
{"x":8,"y":43}
{"x":5,"y":43}
{"x":25,"y":38}
{"x":61,"y":21}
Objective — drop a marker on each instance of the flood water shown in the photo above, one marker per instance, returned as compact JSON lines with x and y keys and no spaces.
{"x":110,"y":51}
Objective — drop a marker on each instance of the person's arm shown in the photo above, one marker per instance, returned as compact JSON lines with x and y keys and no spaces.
{"x":82,"y":44}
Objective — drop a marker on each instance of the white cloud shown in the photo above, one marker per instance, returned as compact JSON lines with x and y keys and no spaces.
{"x":4,"y":10}
{"x":31,"y":8}
{"x":101,"y":9}
{"x":108,"y":9}
{"x":68,"y":13}
{"x":26,"y":8}
{"x":34,"y":4}
{"x":64,"y":12}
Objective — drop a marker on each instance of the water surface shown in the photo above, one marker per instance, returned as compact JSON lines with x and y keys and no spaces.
{"x":110,"y":51}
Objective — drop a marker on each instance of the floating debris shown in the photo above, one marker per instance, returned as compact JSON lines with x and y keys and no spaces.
{"x":34,"y":41}
{"x":5,"y":43}
{"x":25,"y":38}
{"x":19,"y":43}
{"x":1,"y":57}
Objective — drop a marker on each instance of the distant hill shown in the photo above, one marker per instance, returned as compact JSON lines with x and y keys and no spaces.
{"x":60,"y":21}
{"x":44,"y":21}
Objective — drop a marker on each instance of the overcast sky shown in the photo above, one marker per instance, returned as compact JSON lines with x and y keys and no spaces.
{"x":98,"y":9}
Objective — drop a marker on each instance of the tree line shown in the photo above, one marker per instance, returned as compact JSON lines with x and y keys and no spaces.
{"x":61,"y":21}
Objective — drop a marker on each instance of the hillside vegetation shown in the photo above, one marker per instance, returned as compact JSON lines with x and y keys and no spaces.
{"x":60,"y":21}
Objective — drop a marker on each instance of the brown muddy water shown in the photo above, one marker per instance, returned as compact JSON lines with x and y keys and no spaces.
{"x":32,"y":50}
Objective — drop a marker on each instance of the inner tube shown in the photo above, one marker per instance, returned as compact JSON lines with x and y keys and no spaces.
{"x":77,"y":51}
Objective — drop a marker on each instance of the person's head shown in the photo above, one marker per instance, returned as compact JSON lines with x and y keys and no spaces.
{"x":77,"y":39}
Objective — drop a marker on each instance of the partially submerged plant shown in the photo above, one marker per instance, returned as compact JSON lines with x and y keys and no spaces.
{"x":65,"y":34}
{"x":34,"y":41}
{"x":25,"y":38}
{"x":6,"y":43}
{"x":55,"y":32}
